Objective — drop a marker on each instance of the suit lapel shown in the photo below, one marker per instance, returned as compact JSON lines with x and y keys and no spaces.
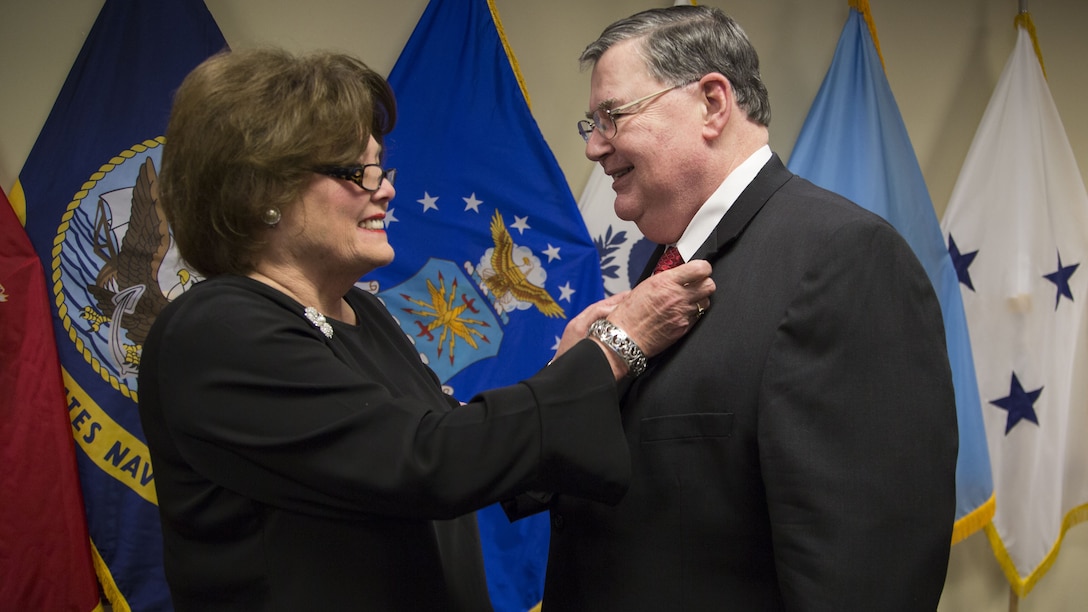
{"x":769,"y":180}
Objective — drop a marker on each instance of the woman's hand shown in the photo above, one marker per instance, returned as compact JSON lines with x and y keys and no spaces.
{"x":578,"y":327}
{"x":665,"y":306}
{"x":656,"y":313}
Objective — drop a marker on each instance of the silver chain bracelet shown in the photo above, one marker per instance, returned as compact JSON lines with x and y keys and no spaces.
{"x":616,"y":339}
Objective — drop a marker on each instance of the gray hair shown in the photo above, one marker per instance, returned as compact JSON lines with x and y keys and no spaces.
{"x":681,"y":44}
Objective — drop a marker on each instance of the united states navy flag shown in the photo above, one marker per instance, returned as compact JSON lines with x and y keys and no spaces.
{"x":492,"y":256}
{"x":88,"y":191}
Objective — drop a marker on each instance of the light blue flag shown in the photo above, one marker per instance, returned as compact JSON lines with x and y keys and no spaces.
{"x":93,"y":218}
{"x":854,"y":142}
{"x":492,"y":255}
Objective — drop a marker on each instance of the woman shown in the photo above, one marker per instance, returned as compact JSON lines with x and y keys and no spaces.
{"x":302,"y":452}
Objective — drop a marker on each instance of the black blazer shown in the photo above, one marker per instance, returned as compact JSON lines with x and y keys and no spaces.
{"x":299,"y":472}
{"x":797,"y":450}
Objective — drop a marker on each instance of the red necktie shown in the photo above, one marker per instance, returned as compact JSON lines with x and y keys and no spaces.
{"x":669,"y":259}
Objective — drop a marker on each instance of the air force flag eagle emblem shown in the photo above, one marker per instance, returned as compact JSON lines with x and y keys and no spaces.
{"x":513,"y":276}
{"x":456,"y":318}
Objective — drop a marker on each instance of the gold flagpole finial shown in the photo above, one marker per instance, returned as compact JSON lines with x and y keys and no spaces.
{"x":1023,"y":20}
{"x":862,"y":6}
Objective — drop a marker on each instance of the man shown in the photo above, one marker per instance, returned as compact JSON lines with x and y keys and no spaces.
{"x":797,"y":449}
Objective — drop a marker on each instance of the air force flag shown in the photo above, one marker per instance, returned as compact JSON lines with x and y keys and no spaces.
{"x":492,"y":256}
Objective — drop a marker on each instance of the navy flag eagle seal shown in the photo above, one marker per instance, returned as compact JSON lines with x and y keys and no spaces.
{"x":90,"y":194}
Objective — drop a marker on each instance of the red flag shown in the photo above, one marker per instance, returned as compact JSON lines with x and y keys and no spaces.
{"x":45,"y":554}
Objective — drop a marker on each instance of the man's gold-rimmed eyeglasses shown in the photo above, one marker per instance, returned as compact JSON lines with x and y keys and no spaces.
{"x":604,"y":119}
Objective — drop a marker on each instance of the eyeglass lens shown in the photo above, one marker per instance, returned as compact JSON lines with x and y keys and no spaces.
{"x":370,"y":176}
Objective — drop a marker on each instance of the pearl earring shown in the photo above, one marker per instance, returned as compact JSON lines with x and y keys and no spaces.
{"x":271,"y":216}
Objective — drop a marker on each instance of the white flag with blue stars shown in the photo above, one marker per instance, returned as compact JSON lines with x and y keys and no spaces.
{"x":1017,"y":229}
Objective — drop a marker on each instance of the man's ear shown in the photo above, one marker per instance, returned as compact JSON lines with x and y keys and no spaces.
{"x":717,"y":93}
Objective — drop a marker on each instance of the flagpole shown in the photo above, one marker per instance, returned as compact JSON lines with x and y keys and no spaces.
{"x":1014,"y":599}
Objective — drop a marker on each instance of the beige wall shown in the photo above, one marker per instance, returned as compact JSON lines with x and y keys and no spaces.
{"x":943,"y":58}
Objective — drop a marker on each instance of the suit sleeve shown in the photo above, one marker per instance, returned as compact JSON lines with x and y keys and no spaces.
{"x":857,"y":431}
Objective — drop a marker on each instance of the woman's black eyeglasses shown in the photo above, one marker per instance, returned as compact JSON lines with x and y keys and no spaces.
{"x":367,"y":176}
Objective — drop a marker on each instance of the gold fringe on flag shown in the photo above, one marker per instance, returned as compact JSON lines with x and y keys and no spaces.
{"x":974,"y":521}
{"x":509,"y":51}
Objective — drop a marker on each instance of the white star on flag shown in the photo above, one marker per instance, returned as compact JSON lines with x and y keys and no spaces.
{"x":429,"y":202}
{"x":520,"y":224}
{"x":565,"y":292}
{"x":471,"y":203}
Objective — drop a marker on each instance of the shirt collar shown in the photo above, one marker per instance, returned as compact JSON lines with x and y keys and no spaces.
{"x":712,"y":211}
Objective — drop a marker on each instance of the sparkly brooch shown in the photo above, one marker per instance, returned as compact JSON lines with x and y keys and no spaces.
{"x":318,"y":321}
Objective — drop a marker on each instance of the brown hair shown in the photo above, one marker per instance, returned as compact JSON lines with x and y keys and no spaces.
{"x":244,"y":131}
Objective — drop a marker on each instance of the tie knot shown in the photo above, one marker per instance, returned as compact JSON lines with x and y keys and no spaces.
{"x":669,"y":259}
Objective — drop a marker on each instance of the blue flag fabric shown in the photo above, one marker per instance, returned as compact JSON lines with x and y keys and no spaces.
{"x":87,"y":190}
{"x":854,"y":142}
{"x":492,"y":255}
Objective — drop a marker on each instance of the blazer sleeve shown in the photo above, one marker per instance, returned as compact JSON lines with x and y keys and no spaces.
{"x":259,"y":404}
{"x":857,"y":431}
{"x":611,"y":492}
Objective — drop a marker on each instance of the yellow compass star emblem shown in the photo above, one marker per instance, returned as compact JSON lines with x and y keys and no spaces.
{"x":443,"y":313}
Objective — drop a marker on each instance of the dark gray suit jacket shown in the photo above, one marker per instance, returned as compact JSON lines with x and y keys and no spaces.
{"x":797,"y":450}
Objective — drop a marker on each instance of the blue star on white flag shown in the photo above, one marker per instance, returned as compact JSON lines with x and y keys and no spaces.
{"x":1018,"y":218}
